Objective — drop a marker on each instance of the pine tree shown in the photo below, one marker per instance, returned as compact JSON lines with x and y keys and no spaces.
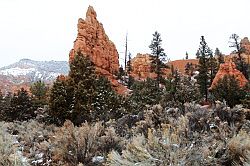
{"x":239,"y":60}
{"x":228,"y":89}
{"x":129,"y":70}
{"x":158,"y":56}
{"x":21,"y":107}
{"x":212,"y":68}
{"x":106,"y":102}
{"x":219,"y":56}
{"x":203,"y":54}
{"x":189,"y":69}
{"x":82,"y":79}
{"x":145,"y":92}
{"x":39,"y":91}
{"x":60,"y":101}
{"x":186,"y":55}
{"x":121,"y":73}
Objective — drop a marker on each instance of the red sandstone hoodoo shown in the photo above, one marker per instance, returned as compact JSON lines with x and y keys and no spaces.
{"x":229,"y":68}
{"x":92,"y":41}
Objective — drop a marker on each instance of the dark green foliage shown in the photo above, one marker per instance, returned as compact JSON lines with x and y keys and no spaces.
{"x":106,"y":103}
{"x":203,"y":54}
{"x":179,"y":90}
{"x":21,"y":107}
{"x":145,"y":93}
{"x":246,"y":100}
{"x":82,"y":80}
{"x":238,"y":49}
{"x":228,"y":89}
{"x":121,"y":73}
{"x":5,"y":105}
{"x":130,"y":81}
{"x":219,"y":56}
{"x":39,"y":91}
{"x":158,"y":56}
{"x":212,"y":68}
{"x":60,"y":102}
{"x":83,"y":96}
{"x":186,"y":56}
{"x":189,"y":69}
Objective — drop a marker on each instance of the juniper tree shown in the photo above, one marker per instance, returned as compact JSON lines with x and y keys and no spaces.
{"x":203,"y":54}
{"x":228,"y":89}
{"x":238,"y":49}
{"x":21,"y":107}
{"x":5,"y":105}
{"x":158,"y":56}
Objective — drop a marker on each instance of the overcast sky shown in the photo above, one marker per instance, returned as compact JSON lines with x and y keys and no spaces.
{"x":46,"y":29}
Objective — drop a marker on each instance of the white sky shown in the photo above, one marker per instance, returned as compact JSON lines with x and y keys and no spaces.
{"x":46,"y":29}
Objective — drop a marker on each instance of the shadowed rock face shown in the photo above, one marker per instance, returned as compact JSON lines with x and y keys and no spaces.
{"x":229,"y":68}
{"x":92,"y":41}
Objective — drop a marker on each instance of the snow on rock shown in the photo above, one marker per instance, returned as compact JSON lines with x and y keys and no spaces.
{"x":17,"y":71}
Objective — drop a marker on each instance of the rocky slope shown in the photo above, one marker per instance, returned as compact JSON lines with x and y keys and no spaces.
{"x":26,"y":71}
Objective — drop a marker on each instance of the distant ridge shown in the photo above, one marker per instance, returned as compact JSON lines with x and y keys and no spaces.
{"x":26,"y":71}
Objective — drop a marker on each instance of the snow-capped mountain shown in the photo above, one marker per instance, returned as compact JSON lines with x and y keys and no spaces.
{"x":27,"y":71}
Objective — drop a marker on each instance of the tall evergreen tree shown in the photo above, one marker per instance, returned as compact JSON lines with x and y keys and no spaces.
{"x":219,"y":56}
{"x":106,"y":102}
{"x":189,"y":69}
{"x":158,"y":56}
{"x":60,"y":101}
{"x":212,"y":68}
{"x":186,"y":56}
{"x":82,"y":79}
{"x":203,"y":54}
{"x":121,"y":73}
{"x":238,"y":49}
{"x":129,"y":70}
{"x":21,"y":107}
{"x":39,"y":91}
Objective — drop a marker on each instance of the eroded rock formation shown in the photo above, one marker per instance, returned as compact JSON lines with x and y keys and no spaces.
{"x":229,"y":68}
{"x":246,"y":45}
{"x":92,"y":41}
{"x":141,"y":67}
